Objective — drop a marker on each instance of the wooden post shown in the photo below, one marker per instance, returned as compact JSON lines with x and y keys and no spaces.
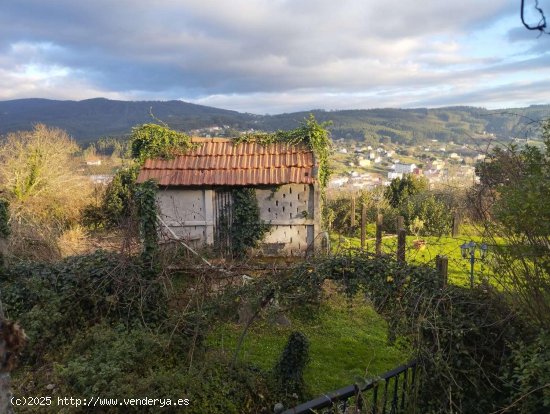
{"x":363,"y":225}
{"x":456,"y":225}
{"x":400,"y":223}
{"x":401,"y":243}
{"x":442,"y":266}
{"x":352,"y":210}
{"x":379,"y":221}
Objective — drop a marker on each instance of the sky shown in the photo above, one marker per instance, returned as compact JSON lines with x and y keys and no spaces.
{"x":274,"y":56}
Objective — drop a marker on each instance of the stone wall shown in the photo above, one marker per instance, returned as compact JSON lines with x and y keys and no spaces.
{"x":291,"y":210}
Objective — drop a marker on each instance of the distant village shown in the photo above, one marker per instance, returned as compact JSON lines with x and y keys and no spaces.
{"x":367,"y":167}
{"x":357,"y":166}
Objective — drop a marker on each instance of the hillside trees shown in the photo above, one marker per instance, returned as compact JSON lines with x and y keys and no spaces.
{"x":513,"y":199}
{"x":512,"y":202}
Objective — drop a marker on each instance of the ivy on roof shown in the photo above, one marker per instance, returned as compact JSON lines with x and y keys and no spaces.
{"x":314,"y":135}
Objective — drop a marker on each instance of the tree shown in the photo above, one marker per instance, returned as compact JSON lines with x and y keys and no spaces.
{"x":402,"y":188}
{"x":541,"y":24}
{"x":513,"y":198}
{"x":39,"y":179}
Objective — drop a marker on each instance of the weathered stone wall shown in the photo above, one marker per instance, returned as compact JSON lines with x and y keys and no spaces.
{"x":188,"y":213}
{"x":291,"y":210}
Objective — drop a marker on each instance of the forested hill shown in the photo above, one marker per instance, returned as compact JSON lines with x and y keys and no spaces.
{"x":99,"y":117}
{"x":94,"y":118}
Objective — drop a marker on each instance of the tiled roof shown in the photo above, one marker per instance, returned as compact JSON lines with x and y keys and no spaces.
{"x":217,"y":161}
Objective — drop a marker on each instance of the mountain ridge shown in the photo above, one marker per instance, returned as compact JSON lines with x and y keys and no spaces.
{"x":90,"y":119}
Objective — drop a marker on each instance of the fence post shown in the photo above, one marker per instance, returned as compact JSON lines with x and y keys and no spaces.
{"x":442,"y":266}
{"x":352,"y":210}
{"x":401,"y":243}
{"x":379,"y":221}
{"x":400,"y":223}
{"x":363,"y":225}
{"x":456,"y":225}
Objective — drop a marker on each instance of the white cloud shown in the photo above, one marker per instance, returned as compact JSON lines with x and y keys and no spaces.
{"x":263,"y":54}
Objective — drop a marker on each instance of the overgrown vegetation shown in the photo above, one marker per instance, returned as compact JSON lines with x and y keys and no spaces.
{"x":4,"y":219}
{"x":512,"y":202}
{"x":289,"y":370}
{"x":113,"y":324}
{"x":157,"y":141}
{"x":247,"y":230}
{"x":40,"y":181}
{"x":310,"y":133}
{"x":408,"y":197}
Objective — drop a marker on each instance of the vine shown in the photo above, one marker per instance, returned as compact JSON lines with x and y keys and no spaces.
{"x":310,"y":133}
{"x":315,"y":136}
{"x":4,"y":218}
{"x":247,"y":229}
{"x":289,"y":370}
{"x":147,"y":215}
{"x":157,"y":141}
{"x":462,"y":337}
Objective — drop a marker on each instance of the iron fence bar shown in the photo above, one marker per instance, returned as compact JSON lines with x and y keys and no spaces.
{"x":385,"y":397}
{"x":395,"y":398}
{"x":345,"y":393}
{"x":404,"y":388}
{"x":375,"y":399}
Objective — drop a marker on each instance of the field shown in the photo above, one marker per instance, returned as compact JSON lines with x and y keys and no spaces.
{"x":347,"y":341}
{"x":459,"y":268}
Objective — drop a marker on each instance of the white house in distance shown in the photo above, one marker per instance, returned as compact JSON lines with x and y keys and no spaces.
{"x":400,"y":169}
{"x":195,"y":198}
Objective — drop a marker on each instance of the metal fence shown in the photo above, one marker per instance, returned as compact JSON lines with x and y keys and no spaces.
{"x":391,"y":393}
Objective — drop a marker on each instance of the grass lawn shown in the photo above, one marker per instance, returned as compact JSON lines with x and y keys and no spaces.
{"x":346,"y":341}
{"x":459,"y":268}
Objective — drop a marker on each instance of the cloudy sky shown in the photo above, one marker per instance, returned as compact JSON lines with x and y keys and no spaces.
{"x":271,"y":56}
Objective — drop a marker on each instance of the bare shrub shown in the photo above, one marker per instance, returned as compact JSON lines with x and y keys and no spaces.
{"x":39,"y":177}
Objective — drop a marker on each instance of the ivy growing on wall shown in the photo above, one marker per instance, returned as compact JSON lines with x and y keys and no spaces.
{"x":246,"y":229}
{"x":147,"y":215}
{"x":310,"y":133}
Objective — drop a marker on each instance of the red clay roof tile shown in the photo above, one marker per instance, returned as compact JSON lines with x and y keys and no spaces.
{"x":217,"y":161}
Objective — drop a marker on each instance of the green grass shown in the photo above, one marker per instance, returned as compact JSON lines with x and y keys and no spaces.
{"x":459,"y":268}
{"x":347,"y":341}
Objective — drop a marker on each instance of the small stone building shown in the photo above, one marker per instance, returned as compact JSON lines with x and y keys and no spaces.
{"x":195,"y":193}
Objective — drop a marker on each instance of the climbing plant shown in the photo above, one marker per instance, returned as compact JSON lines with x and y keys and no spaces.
{"x":247,"y":229}
{"x":310,"y":133}
{"x":462,"y":337}
{"x":157,"y":141}
{"x":4,"y":218}
{"x":147,"y":215}
{"x":289,"y":370}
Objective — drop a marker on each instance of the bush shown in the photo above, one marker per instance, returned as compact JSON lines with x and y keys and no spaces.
{"x":528,"y":376}
{"x":117,"y":202}
{"x":53,"y":301}
{"x":117,"y":362}
{"x":289,"y":371}
{"x":46,"y":194}
{"x":427,"y":208}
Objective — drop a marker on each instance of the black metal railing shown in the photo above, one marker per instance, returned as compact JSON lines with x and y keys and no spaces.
{"x":391,"y":393}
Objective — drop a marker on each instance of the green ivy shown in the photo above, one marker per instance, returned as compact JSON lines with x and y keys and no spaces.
{"x":289,"y":370}
{"x":314,"y":135}
{"x":246,"y":229}
{"x":157,"y":141}
{"x":148,"y":221}
{"x":4,"y":218}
